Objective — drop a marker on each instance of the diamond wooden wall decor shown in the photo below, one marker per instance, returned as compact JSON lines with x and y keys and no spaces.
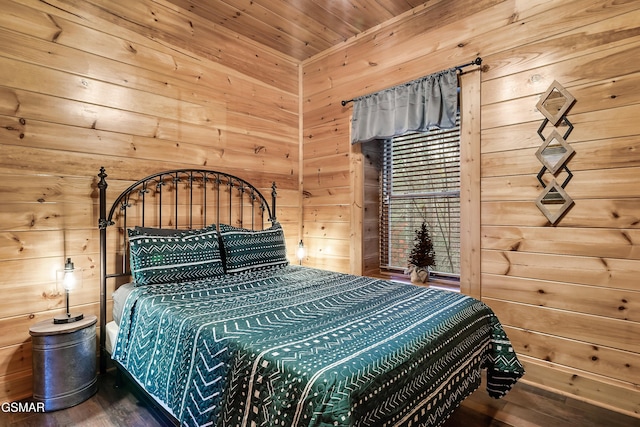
{"x":554,"y":152}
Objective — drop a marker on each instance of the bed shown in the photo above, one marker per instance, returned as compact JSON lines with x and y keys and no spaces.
{"x":218,"y":328}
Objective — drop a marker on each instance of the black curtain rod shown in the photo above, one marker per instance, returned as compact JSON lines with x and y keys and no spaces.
{"x":477,"y":61}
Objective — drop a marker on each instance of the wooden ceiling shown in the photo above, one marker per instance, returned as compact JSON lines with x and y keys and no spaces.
{"x":298,"y":28}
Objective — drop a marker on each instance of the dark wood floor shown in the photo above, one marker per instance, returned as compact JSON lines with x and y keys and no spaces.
{"x":524,"y":406}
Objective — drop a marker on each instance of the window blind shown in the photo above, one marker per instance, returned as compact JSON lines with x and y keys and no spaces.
{"x":421,"y":183}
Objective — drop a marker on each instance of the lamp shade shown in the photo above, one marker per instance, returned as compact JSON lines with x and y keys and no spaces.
{"x":68,"y":279}
{"x":301,"y":252}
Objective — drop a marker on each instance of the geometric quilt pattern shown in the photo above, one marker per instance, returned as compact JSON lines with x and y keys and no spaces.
{"x":191,"y":255}
{"x":249,"y":250}
{"x":296,"y":346}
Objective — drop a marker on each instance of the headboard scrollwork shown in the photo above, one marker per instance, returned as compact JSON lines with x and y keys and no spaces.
{"x":176,"y":199}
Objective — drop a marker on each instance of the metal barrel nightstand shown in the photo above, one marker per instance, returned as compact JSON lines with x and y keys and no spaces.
{"x":64,"y":362}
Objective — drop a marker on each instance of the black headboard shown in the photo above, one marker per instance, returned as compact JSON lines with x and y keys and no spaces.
{"x":177,"y":199}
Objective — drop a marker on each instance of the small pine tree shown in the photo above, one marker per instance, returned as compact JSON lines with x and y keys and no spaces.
{"x":422,"y":254}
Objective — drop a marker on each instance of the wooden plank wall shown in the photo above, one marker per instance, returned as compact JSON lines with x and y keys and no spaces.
{"x":567,"y":294}
{"x":136,"y":87}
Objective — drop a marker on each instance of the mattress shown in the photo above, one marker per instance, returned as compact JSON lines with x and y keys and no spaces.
{"x":119,"y":297}
{"x":112,"y":334}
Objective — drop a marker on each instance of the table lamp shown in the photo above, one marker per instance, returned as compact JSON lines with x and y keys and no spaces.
{"x":301,"y":252}
{"x":69,"y":279}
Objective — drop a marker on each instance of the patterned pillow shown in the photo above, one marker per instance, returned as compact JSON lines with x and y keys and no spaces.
{"x":247,"y":250}
{"x":192,"y":255}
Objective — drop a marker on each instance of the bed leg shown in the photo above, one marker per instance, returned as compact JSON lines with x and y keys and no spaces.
{"x":119,"y":378}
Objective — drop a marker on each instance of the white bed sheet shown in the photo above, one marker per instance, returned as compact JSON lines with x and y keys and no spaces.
{"x":112,"y":334}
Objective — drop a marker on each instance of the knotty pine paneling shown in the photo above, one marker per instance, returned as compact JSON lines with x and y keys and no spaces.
{"x":16,"y":358}
{"x":11,"y":327}
{"x":608,"y":242}
{"x":236,"y":107}
{"x":596,"y":300}
{"x":612,"y":153}
{"x":592,"y":89}
{"x":507,"y":113}
{"x":389,"y":53}
{"x":568,"y":292}
{"x":566,"y":324}
{"x":101,"y":83}
{"x":617,"y":273}
{"x":575,"y":382}
{"x":325,"y":196}
{"x":185,"y":31}
{"x":304,"y":36}
{"x":542,"y":47}
{"x":470,"y":188}
{"x":326,"y":229}
{"x":607,"y":213}
{"x":588,"y":184}
{"x":607,"y":361}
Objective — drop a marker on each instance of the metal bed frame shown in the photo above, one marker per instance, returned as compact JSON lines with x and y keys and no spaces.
{"x":194,"y":197}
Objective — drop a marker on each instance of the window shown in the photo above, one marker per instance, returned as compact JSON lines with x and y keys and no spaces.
{"x":421,"y":183}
